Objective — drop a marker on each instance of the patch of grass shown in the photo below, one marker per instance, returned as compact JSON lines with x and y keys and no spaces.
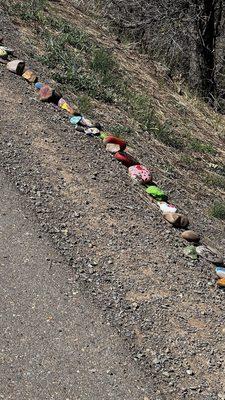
{"x":85,"y":104}
{"x":214,"y":181}
{"x":201,"y":147}
{"x":119,"y":130}
{"x":218,"y":210}
{"x":27,"y":10}
{"x":188,"y":162}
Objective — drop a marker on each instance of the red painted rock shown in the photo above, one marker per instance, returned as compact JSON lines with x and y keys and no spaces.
{"x":115,"y":140}
{"x":16,"y":66}
{"x":30,"y":76}
{"x":46,"y":93}
{"x":140,"y":173}
{"x":125,"y":158}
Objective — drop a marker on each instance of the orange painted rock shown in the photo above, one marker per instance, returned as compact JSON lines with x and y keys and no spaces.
{"x":125,"y":158}
{"x":46,"y":93}
{"x":177,"y":220}
{"x":140,"y":173}
{"x":190,"y":236}
{"x":221,"y":282}
{"x":30,"y":76}
{"x":16,"y":66}
{"x":115,"y":140}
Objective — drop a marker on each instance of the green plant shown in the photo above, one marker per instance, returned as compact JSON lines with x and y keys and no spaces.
{"x":201,"y":147}
{"x":214,"y":181}
{"x":218,"y":210}
{"x":85,"y":103}
{"x":28,"y":10}
{"x":119,"y":130}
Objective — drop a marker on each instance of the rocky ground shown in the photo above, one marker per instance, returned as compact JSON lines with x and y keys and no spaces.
{"x":166,"y":307}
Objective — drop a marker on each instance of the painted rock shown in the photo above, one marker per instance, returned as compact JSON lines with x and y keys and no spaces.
{"x":221,"y":282}
{"x":30,"y":76}
{"x":156,"y":192}
{"x":115,"y":140}
{"x":220,"y":272}
{"x":125,"y":158}
{"x":38,"y":85}
{"x":64,"y":105}
{"x":166,"y":207}
{"x":190,"y":236}
{"x":86,"y":123}
{"x":210,"y":255}
{"x":177,"y":220}
{"x":74,"y":120}
{"x":92,"y":131}
{"x":16,"y":66}
{"x":46,"y":93}
{"x":140,"y":173}
{"x":3,"y":54}
{"x":7,"y":49}
{"x":103,"y":135}
{"x":190,"y":251}
{"x":112,"y":148}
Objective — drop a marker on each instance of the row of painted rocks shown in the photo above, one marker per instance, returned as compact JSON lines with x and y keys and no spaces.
{"x":118,"y":148}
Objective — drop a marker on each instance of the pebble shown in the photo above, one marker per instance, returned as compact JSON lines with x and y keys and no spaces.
{"x":177,"y":220}
{"x":3,"y":54}
{"x":30,"y":76}
{"x":125,"y":158}
{"x":190,"y":236}
{"x":112,"y":148}
{"x":74,"y":120}
{"x":140,"y":173}
{"x":210,"y":255}
{"x":220,"y":272}
{"x":16,"y":66}
{"x":7,"y":49}
{"x":190,"y":251}
{"x":221,"y":282}
{"x":115,"y":140}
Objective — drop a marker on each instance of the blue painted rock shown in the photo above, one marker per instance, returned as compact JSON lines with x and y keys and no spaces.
{"x":16,"y":66}
{"x":140,"y":173}
{"x":74,"y":120}
{"x":30,"y":76}
{"x":220,"y":272}
{"x":38,"y":85}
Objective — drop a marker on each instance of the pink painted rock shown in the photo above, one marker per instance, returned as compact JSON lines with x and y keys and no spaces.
{"x":46,"y":93}
{"x":140,"y":173}
{"x":16,"y":66}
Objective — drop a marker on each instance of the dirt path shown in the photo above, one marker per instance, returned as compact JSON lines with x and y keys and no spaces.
{"x":123,"y":254}
{"x":54,"y":342}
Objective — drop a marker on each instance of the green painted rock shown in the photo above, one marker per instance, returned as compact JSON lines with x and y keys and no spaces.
{"x":190,"y":251}
{"x":155,"y":192}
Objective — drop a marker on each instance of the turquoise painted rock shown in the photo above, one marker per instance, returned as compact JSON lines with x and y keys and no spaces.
{"x":74,"y":120}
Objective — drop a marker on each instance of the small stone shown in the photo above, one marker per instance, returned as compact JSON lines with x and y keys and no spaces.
{"x":30,"y":76}
{"x":190,"y":251}
{"x":210,"y":255}
{"x":190,"y":372}
{"x":3,"y":54}
{"x":221,"y":282}
{"x":190,"y":236}
{"x":112,"y":148}
{"x":140,"y":173}
{"x":16,"y":66}
{"x":7,"y":49}
{"x":92,"y":131}
{"x":177,"y":220}
{"x":115,"y":140}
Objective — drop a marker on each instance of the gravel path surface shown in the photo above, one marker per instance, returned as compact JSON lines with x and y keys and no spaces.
{"x":54,"y":342}
{"x":123,"y":254}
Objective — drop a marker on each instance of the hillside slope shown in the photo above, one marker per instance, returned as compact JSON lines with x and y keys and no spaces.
{"x":167,"y":307}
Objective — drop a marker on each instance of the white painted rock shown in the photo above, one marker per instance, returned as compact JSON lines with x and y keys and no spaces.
{"x":166,"y":207}
{"x":112,"y":148}
{"x":16,"y":66}
{"x":210,"y":255}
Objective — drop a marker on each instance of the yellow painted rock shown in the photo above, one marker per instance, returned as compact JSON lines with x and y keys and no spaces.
{"x":30,"y":76}
{"x":221,"y":282}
